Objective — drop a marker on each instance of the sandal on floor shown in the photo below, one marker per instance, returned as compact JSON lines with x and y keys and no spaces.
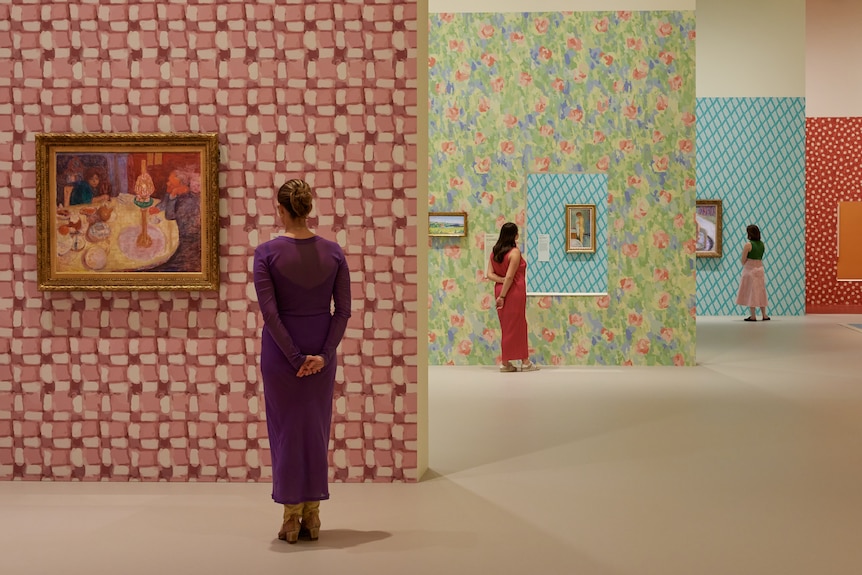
{"x":766,"y":318}
{"x":750,"y":319}
{"x":508,"y":368}
{"x":531,"y":367}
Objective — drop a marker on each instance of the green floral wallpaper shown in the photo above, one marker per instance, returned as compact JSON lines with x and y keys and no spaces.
{"x":513,"y":94}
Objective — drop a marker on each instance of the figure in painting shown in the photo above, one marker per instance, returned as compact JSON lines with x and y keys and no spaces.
{"x":579,"y":235}
{"x":182,"y":203}
{"x":86,"y":191}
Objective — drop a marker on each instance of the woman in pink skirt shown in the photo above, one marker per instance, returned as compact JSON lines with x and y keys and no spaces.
{"x":752,"y":286}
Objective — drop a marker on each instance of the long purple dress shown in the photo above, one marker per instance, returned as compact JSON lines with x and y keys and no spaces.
{"x":296,"y":281}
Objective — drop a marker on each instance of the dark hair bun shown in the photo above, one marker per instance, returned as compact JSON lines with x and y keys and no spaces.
{"x":295,"y":197}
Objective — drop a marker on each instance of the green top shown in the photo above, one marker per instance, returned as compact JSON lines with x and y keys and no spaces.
{"x":756,"y":252}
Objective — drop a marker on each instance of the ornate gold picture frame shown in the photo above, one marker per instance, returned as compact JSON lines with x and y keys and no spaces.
{"x":127,"y":211}
{"x":580,"y":228}
{"x":447,"y":224}
{"x":708,"y":221}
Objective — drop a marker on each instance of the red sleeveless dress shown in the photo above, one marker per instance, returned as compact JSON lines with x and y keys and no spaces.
{"x":513,"y":314}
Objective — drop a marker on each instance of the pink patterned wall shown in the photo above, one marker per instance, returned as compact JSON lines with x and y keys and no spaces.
{"x":165,"y":386}
{"x":833,"y":169}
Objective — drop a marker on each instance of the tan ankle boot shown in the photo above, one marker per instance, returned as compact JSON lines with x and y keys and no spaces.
{"x":290,"y":527}
{"x":311,"y":520}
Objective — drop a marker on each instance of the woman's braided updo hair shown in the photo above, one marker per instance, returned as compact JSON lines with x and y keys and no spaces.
{"x":295,"y":197}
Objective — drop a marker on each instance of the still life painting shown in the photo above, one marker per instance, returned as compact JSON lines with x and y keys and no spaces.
{"x":127,"y":211}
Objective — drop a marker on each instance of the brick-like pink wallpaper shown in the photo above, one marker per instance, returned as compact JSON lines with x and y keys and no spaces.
{"x":165,"y":386}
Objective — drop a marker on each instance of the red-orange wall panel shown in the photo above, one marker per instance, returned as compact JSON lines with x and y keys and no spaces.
{"x":833,"y":173}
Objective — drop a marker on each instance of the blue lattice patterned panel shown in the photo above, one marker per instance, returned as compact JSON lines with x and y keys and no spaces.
{"x":751,"y":155}
{"x":547,"y":196}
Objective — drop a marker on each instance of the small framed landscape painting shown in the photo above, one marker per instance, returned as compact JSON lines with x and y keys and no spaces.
{"x":447,"y":224}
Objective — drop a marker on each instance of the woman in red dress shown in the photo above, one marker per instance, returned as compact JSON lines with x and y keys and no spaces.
{"x":506,"y":268}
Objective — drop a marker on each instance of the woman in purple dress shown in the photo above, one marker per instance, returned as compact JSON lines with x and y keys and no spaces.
{"x":297,"y":276}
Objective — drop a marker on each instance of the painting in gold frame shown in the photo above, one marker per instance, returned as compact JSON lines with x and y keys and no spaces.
{"x":127,"y":211}
{"x":447,"y":224}
{"x":580,"y":228}
{"x":708,"y":222}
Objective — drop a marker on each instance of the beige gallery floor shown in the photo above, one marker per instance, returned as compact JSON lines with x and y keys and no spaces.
{"x":749,"y":463}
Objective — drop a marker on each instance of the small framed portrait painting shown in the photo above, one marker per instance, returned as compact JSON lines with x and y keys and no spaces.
{"x":708,"y":221}
{"x":580,"y":228}
{"x":447,"y":224}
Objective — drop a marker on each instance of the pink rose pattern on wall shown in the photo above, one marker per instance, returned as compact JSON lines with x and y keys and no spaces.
{"x":512,"y":94}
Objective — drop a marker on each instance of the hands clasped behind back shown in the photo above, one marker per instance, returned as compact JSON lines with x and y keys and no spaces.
{"x":312,"y":364}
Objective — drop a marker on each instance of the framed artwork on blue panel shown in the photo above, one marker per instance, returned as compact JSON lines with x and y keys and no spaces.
{"x":580,"y":228}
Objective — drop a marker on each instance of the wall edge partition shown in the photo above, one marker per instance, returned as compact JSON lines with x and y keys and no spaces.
{"x":423,"y":416}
